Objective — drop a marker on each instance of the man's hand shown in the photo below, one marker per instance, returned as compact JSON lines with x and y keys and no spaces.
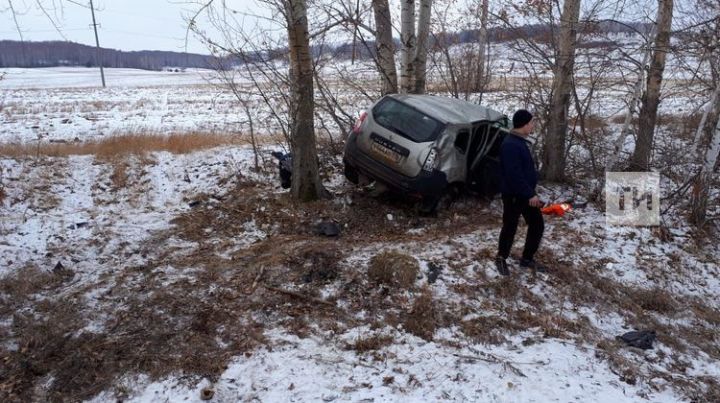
{"x":535,"y":202}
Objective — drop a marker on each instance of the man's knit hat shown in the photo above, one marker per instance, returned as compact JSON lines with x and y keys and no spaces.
{"x":521,"y":118}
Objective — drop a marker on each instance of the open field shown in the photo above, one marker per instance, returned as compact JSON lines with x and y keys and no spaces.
{"x":152,"y":260}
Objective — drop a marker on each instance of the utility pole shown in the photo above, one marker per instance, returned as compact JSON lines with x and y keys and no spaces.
{"x":97,"y":44}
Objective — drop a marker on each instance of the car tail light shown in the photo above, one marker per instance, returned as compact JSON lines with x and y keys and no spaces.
{"x":431,"y":161}
{"x":359,"y":122}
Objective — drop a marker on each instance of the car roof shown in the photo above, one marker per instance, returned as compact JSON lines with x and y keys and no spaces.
{"x":449,"y":110}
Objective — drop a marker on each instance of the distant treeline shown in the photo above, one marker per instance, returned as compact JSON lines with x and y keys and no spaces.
{"x":538,"y":32}
{"x":58,"y":53}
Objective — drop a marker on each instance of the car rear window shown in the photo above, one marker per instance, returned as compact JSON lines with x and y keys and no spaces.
{"x":406,"y":121}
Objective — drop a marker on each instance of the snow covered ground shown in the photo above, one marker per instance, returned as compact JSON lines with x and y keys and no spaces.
{"x":193,"y":238}
{"x":78,"y":77}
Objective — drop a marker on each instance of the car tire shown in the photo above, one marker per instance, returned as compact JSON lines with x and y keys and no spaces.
{"x":432,"y":204}
{"x":351,"y":174}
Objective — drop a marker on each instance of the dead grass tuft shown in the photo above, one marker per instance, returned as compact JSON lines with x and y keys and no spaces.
{"x":318,"y":262}
{"x":18,"y":287}
{"x":488,"y":329}
{"x":422,"y":318}
{"x":656,"y":299}
{"x":119,"y":175}
{"x":394,"y":269}
{"x":371,"y":343}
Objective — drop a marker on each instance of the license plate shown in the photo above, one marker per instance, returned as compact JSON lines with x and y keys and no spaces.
{"x":386,"y":153}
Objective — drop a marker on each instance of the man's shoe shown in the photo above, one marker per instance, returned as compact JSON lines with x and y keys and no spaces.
{"x":501,"y":265}
{"x":533,"y":265}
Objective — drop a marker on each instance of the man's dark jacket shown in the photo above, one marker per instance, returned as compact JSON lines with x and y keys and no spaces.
{"x":518,"y":176}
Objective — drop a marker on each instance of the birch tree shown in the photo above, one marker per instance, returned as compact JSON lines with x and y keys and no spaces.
{"x":554,"y":150}
{"x":632,"y":104}
{"x":701,"y":187}
{"x":407,"y":38}
{"x":480,"y":73}
{"x":420,"y":59}
{"x":710,"y":110}
{"x":385,"y":47}
{"x":640,"y":159}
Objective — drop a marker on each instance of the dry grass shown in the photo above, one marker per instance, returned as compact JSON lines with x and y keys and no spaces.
{"x":682,"y":125}
{"x":158,"y":325}
{"x":119,"y":175}
{"x":422,"y":318}
{"x":123,"y":145}
{"x":370,"y":343}
{"x":318,"y":262}
{"x":656,"y":300}
{"x":394,"y":269}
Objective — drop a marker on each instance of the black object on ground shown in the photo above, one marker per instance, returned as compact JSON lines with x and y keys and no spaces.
{"x":433,"y":272}
{"x":284,"y":168}
{"x":327,"y":228}
{"x":641,"y":339}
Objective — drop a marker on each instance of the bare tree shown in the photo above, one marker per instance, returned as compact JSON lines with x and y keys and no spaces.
{"x":306,"y":184}
{"x":640,"y":159}
{"x":710,"y":110}
{"x":420,"y":60}
{"x":385,"y":47}
{"x":632,"y":104}
{"x":408,"y":40}
{"x":554,"y":156}
{"x":701,"y":188}
{"x":480,"y":72}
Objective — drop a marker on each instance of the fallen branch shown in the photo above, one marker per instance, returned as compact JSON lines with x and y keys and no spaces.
{"x":301,"y":296}
{"x":493,"y":359}
{"x":257,"y":279}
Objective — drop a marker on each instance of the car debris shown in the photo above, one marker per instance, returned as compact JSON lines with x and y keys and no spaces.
{"x":641,"y":339}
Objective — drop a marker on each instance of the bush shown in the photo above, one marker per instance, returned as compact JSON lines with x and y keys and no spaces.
{"x":393,"y":269}
{"x":421,"y":320}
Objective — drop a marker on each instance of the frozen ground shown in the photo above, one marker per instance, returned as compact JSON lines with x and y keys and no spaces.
{"x":66,"y":104}
{"x":168,"y":255}
{"x":78,"y":77}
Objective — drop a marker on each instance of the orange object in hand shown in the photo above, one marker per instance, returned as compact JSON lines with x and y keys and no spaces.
{"x":558,"y":209}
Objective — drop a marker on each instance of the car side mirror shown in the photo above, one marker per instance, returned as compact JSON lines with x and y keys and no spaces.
{"x":461,"y":141}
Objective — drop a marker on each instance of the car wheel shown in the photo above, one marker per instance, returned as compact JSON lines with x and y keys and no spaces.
{"x":351,"y":174}
{"x":432,"y":204}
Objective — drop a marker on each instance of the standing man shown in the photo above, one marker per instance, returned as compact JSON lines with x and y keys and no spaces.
{"x":518,"y":179}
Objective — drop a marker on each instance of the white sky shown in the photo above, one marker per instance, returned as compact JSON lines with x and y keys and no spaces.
{"x":156,"y":24}
{"x":124,"y":24}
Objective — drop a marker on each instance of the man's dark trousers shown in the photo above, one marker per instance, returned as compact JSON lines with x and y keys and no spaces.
{"x":513,"y":208}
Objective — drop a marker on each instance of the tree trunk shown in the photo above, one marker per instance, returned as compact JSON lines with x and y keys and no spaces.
{"x":306,"y":185}
{"x":632,"y":105}
{"x":554,"y":150}
{"x":385,"y":47}
{"x":479,"y":84}
{"x":701,"y":188}
{"x":711,"y":110}
{"x":407,"y":37}
{"x":640,"y":160}
{"x":420,"y":61}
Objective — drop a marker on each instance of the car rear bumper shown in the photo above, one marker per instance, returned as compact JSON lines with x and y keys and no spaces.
{"x":425,"y":184}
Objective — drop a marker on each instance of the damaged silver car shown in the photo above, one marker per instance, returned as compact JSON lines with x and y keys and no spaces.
{"x":426,"y":147}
